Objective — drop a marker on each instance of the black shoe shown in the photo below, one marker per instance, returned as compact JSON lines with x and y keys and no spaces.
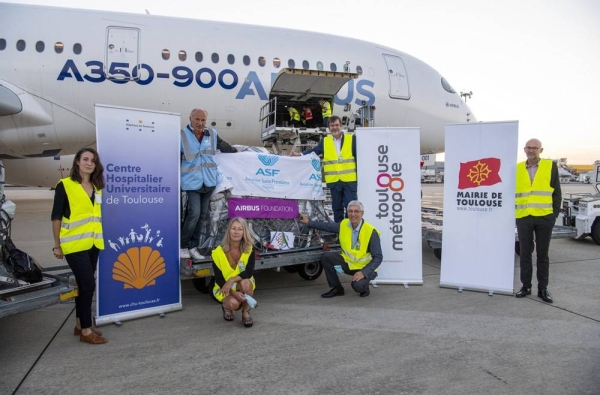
{"x":333,"y":292}
{"x":364,"y":294}
{"x":523,"y":292}
{"x":545,"y":295}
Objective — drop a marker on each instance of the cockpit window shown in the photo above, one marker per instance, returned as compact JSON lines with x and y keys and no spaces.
{"x":447,"y":86}
{"x":2,"y":44}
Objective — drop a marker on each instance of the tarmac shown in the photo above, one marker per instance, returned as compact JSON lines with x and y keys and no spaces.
{"x":417,"y":340}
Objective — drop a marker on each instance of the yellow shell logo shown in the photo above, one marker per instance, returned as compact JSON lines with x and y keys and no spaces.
{"x":138,"y":267}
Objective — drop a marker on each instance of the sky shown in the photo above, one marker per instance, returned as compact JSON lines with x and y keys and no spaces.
{"x":534,"y":61}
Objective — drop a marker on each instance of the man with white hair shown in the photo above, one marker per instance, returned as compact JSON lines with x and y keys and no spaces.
{"x":361,"y":252}
{"x":198,"y":177}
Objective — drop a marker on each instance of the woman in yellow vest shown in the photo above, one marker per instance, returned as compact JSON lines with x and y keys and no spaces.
{"x":77,"y":228}
{"x":233,"y":265}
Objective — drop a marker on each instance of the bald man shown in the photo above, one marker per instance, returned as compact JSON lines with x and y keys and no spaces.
{"x":537,"y":205}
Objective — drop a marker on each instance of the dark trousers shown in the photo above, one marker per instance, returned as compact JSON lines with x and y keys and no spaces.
{"x":196,"y":220}
{"x":83,"y":265}
{"x":342,"y":193}
{"x":329,"y":260}
{"x":542,"y":228}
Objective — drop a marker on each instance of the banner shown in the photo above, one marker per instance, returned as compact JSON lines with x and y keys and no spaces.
{"x":389,"y":186}
{"x":262,"y":208}
{"x":478,"y":242}
{"x":138,"y":271}
{"x":266,"y":175}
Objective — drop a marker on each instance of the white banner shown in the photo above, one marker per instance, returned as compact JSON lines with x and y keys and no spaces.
{"x":389,"y":186}
{"x":266,"y":175}
{"x":479,"y":207}
{"x":138,"y":271}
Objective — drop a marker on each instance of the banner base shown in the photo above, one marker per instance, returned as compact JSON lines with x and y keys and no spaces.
{"x":467,"y":287}
{"x":132,"y":315}
{"x":376,"y":282}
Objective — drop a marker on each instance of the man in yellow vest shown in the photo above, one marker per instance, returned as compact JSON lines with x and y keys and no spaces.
{"x":339,"y":166}
{"x":325,"y":111}
{"x":361,"y":252}
{"x":537,"y":204}
{"x":294,"y":117}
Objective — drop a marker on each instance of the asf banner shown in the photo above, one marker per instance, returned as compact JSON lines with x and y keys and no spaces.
{"x":138,"y":271}
{"x":389,"y":186}
{"x":267,"y":175}
{"x":479,"y":207}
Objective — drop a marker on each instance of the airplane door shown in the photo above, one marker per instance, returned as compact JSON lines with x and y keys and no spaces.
{"x":399,"y":88}
{"x":122,"y":53}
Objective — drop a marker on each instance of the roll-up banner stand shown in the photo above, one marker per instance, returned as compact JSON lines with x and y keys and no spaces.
{"x":389,"y":186}
{"x":479,"y":207}
{"x":138,"y":271}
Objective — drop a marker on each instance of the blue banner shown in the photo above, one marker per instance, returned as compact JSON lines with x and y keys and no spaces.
{"x":138,"y":271}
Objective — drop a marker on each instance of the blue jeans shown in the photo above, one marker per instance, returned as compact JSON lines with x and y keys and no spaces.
{"x":197,"y":216}
{"x":342,"y":193}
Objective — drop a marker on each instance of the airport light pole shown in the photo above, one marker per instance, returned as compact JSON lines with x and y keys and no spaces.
{"x":466,"y":95}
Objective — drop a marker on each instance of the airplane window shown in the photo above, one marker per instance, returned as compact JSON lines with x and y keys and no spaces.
{"x":230,"y":59}
{"x":276,"y":62}
{"x":77,"y":49}
{"x":359,"y":70}
{"x":21,"y":45}
{"x":198,"y":57}
{"x":215,"y":57}
{"x":58,"y":47}
{"x":2,"y":44}
{"x":166,"y":54}
{"x":247,"y":60}
{"x":40,"y":46}
{"x":182,"y":55}
{"x":320,"y":65}
{"x":262,"y":61}
{"x":305,"y":64}
{"x":291,"y":64}
{"x":333,"y":67}
{"x":447,"y":87}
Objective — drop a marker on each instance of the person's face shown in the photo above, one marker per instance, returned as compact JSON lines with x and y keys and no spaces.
{"x":533,"y":149}
{"x":198,"y":120}
{"x":355,"y":215}
{"x":335,"y":127}
{"x":236,"y":232}
{"x":86,"y":163}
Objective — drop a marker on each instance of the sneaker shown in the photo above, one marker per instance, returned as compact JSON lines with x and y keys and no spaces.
{"x":184,"y":253}
{"x":195,"y":254}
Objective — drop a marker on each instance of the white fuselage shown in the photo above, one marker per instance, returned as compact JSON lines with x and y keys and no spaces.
{"x":225,"y":68}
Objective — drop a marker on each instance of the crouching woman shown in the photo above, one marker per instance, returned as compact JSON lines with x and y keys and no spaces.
{"x":233,"y":265}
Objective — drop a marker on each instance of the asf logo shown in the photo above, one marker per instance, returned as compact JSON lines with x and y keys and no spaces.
{"x":478,"y":173}
{"x":316,"y":164}
{"x":267,"y":160}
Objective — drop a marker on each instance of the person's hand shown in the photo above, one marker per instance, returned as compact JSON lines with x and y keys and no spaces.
{"x":227,"y":287}
{"x":294,"y":153}
{"x":303,"y":218}
{"x":58,"y":254}
{"x":358,"y":276}
{"x":239,"y":296}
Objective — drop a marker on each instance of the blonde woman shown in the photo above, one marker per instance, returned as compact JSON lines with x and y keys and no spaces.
{"x":233,"y":265}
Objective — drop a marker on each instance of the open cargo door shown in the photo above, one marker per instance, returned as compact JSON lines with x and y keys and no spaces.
{"x":300,"y":88}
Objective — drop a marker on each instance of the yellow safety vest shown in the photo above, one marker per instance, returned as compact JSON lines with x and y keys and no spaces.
{"x":220,"y":259}
{"x":534,"y":198}
{"x":83,"y":229}
{"x":326,"y":109}
{"x":342,"y":168}
{"x":356,"y":256}
{"x":294,"y":114}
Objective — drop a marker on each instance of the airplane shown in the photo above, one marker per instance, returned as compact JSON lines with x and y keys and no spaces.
{"x":56,"y":63}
